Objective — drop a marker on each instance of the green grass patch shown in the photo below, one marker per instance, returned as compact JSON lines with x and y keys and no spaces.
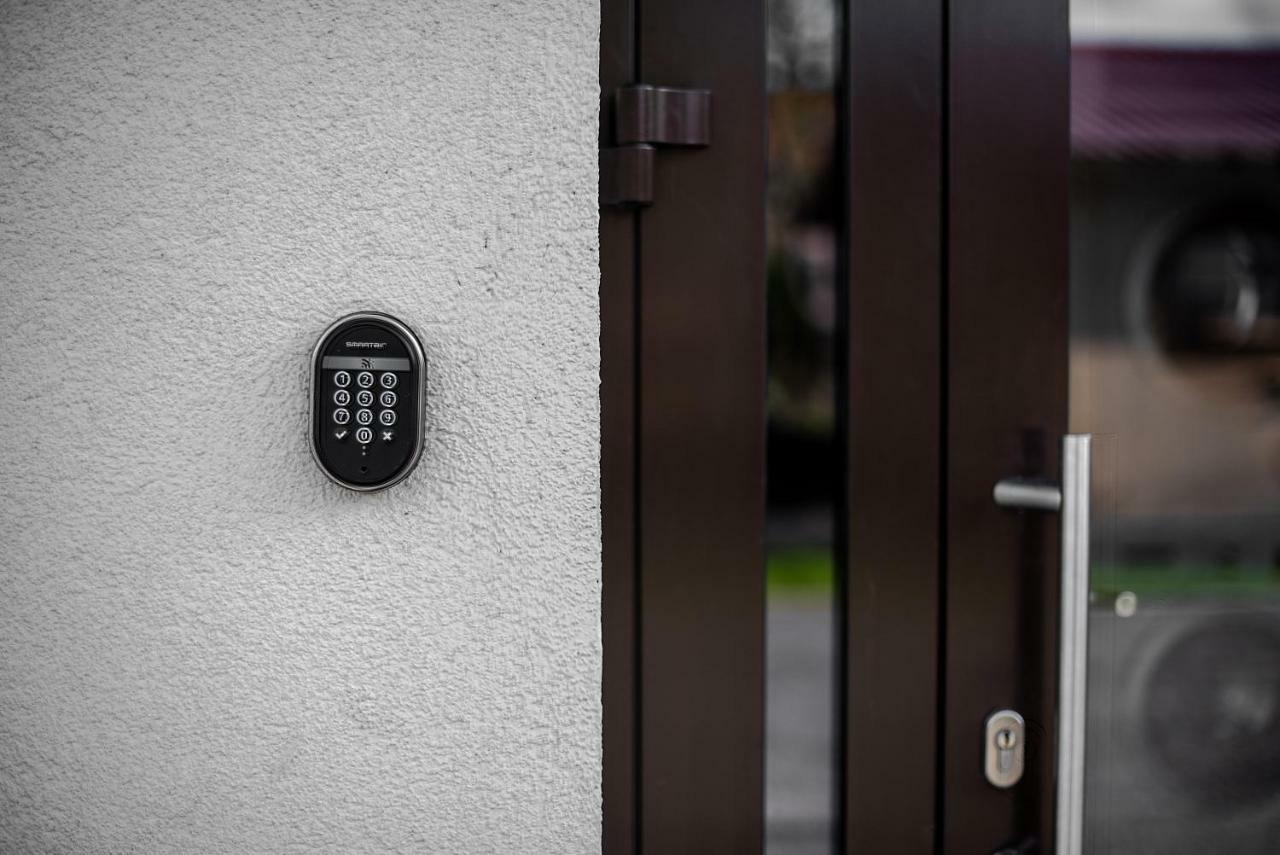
{"x":810,"y":571}
{"x":1187,"y":581}
{"x":804,"y":571}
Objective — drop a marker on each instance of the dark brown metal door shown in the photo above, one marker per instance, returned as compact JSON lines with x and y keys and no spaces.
{"x":953,"y":364}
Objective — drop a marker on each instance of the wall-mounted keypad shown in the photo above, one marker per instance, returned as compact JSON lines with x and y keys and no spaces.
{"x":365,"y":435}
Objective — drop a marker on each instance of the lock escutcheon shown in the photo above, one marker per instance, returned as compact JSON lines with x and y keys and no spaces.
{"x":1004,"y":748}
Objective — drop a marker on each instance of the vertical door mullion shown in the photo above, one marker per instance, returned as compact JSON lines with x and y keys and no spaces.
{"x":891,"y":542}
{"x":1006,"y":403}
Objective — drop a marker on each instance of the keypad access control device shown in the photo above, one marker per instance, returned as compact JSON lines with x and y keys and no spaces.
{"x":368,"y":386}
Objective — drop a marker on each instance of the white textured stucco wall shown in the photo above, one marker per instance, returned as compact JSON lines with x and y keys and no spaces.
{"x":204,"y":645}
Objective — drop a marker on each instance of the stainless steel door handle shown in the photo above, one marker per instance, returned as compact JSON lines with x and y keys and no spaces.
{"x":1073,"y":642}
{"x":1071,"y":498}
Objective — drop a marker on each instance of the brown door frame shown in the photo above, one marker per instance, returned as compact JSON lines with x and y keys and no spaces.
{"x":683,"y":371}
{"x":955,"y":368}
{"x":702,"y":426}
{"x":619,"y":601}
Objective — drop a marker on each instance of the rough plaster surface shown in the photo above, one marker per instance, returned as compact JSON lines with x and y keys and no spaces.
{"x":204,"y":645}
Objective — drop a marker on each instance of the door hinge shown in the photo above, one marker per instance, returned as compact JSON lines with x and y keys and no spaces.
{"x":645,"y":117}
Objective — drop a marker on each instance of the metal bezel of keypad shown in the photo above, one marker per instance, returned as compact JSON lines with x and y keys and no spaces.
{"x":345,"y":346}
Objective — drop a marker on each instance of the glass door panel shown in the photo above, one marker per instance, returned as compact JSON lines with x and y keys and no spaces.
{"x":1175,"y":368}
{"x":803,"y":206}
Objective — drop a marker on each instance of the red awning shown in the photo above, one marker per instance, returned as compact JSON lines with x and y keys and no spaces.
{"x":1174,"y":102}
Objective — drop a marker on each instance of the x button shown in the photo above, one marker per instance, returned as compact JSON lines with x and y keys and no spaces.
{"x":388,"y":435}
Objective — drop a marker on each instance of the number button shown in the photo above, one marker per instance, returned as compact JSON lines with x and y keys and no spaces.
{"x":388,"y":399}
{"x":342,"y":397}
{"x":342,"y":416}
{"x":364,"y":398}
{"x":364,"y":417}
{"x":364,"y":436}
{"x":365,"y":379}
{"x":388,"y":380}
{"x":387,"y":417}
{"x":342,"y":379}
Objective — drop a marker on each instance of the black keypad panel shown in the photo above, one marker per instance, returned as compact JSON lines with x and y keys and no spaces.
{"x":366,"y":401}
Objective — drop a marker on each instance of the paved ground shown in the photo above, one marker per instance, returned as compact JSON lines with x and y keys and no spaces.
{"x":800,"y":747}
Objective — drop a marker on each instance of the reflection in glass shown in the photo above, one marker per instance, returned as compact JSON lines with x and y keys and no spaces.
{"x":1175,"y":366}
{"x":802,"y":212}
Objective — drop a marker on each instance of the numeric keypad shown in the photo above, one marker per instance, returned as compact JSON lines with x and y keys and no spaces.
{"x":368,"y":381}
{"x":364,"y":399}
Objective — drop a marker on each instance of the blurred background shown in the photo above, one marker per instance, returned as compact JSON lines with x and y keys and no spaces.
{"x":1175,"y":367}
